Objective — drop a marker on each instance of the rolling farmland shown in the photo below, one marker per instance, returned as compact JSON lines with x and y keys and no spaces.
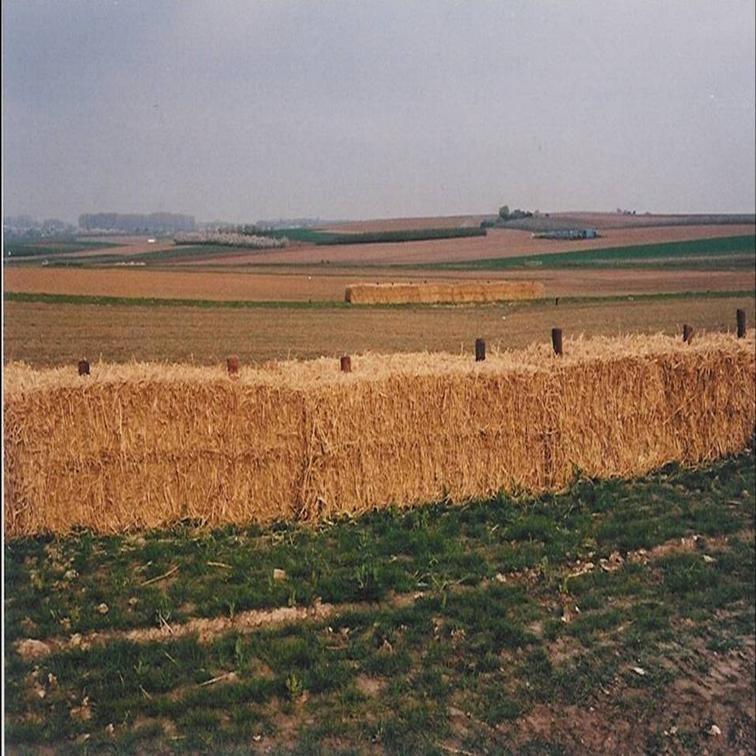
{"x":730,"y":251}
{"x":198,"y":630}
{"x":497,"y":243}
{"x":302,"y":284}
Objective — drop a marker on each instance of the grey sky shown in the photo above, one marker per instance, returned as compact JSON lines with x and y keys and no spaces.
{"x":241,"y":110}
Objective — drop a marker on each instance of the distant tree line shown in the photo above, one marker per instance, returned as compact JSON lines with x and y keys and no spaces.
{"x":137,"y":223}
{"x":15,"y":226}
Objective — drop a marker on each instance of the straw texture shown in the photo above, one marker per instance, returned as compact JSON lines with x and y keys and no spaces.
{"x":439,"y":292}
{"x":145,"y":445}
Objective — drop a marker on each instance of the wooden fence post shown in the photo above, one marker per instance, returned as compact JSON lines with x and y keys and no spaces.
{"x":346,"y":364}
{"x":83,"y":367}
{"x":741,"y":318}
{"x":556,"y":340}
{"x":232,"y":365}
{"x":480,"y":350}
{"x":687,"y":333}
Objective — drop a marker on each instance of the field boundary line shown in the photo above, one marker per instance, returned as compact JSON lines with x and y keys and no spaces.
{"x":110,"y":301}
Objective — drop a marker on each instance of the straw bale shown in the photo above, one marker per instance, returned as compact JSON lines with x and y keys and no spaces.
{"x":145,"y":445}
{"x":439,"y":292}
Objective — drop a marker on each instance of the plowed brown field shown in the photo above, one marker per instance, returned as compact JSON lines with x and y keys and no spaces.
{"x":315,"y":285}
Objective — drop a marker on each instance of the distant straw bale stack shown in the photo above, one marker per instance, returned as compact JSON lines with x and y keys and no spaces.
{"x":440,"y":292}
{"x":145,"y":445}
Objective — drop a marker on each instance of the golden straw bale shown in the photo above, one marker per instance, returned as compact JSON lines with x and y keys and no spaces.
{"x":438,"y":292}
{"x":145,"y":445}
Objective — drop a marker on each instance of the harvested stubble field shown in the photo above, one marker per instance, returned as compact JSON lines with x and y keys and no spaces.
{"x":616,"y":617}
{"x":46,"y":334}
{"x":146,"y":445}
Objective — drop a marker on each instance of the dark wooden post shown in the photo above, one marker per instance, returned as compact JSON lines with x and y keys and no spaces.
{"x":556,"y":301}
{"x":556,"y":340}
{"x":346,"y":364}
{"x":480,"y":350}
{"x":232,"y":365}
{"x":83,"y":367}
{"x":687,"y":333}
{"x":740,"y":316}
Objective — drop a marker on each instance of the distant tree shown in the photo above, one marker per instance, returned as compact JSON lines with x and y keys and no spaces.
{"x":505,"y":214}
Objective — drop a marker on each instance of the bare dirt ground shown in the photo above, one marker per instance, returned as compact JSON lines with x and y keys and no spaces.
{"x":712,"y":688}
{"x":316,"y":285}
{"x":55,"y":334}
{"x":497,"y":243}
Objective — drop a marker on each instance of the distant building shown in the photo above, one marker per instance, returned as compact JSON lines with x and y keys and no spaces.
{"x":568,"y":233}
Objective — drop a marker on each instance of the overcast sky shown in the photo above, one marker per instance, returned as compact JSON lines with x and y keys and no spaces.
{"x":242,"y":110}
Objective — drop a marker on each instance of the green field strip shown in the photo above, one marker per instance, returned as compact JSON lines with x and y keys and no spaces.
{"x":12,"y":250}
{"x":610,"y":257}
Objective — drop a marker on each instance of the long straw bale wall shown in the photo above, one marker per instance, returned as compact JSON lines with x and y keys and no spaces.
{"x":442,"y":293}
{"x":146,"y":445}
